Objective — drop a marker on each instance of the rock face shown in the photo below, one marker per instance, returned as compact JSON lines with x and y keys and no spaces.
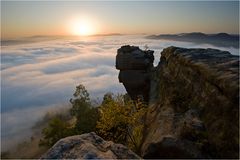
{"x":88,"y":146}
{"x":193,"y":103}
{"x":134,"y":65}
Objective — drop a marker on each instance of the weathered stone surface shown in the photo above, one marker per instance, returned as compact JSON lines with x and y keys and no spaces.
{"x":134,"y":65}
{"x":133,"y":58}
{"x":194,"y":100}
{"x":136,"y":82}
{"x":170,"y":147}
{"x":88,"y":146}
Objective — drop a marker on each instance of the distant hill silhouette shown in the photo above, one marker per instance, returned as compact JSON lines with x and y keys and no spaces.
{"x":219,"y":39}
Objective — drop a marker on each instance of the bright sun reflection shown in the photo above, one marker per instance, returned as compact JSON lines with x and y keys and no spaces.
{"x":82,"y":27}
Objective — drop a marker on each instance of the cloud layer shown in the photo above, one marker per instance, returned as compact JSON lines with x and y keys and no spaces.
{"x":45,"y":73}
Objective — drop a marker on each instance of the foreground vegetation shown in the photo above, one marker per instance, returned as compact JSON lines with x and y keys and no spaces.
{"x":117,"y":118}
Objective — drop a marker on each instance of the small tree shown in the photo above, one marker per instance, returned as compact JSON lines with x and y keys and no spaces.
{"x":86,"y":117}
{"x":82,"y":109}
{"x":57,"y":128}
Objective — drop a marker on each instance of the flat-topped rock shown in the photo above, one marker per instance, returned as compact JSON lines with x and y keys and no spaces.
{"x":133,"y":58}
{"x":222,"y":61}
{"x":221,"y":68}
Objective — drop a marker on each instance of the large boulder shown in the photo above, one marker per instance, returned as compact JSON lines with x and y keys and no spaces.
{"x":88,"y":146}
{"x":134,"y":65}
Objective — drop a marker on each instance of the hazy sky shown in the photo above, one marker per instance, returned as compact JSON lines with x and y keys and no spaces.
{"x":29,"y":18}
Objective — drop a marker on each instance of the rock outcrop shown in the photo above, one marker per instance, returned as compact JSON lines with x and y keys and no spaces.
{"x":134,"y":65}
{"x":88,"y":146}
{"x":193,"y":102}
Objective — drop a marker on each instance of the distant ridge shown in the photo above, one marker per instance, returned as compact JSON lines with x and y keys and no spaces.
{"x":218,"y":39}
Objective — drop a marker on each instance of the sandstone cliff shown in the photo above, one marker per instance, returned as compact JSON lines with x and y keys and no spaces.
{"x":193,"y":104}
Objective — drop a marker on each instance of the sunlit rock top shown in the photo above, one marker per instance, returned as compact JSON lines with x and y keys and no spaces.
{"x":88,"y":146}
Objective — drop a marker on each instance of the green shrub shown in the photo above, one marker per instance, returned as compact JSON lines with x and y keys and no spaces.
{"x":121,"y":120}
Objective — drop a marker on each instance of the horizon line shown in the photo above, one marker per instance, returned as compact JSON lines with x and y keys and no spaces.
{"x":107,"y":34}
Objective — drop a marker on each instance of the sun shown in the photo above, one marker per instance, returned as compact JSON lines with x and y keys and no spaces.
{"x":82,"y":27}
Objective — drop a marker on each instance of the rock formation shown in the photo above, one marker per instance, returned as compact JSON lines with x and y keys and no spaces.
{"x":193,"y":101}
{"x":88,"y":146}
{"x":134,"y":65}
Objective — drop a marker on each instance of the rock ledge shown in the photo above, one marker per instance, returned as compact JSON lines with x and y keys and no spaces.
{"x":88,"y":146}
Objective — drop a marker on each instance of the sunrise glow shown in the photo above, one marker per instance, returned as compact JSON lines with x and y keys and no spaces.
{"x":82,"y":27}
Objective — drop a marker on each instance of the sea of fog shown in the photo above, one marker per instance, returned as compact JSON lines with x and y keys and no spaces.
{"x":40,"y":75}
